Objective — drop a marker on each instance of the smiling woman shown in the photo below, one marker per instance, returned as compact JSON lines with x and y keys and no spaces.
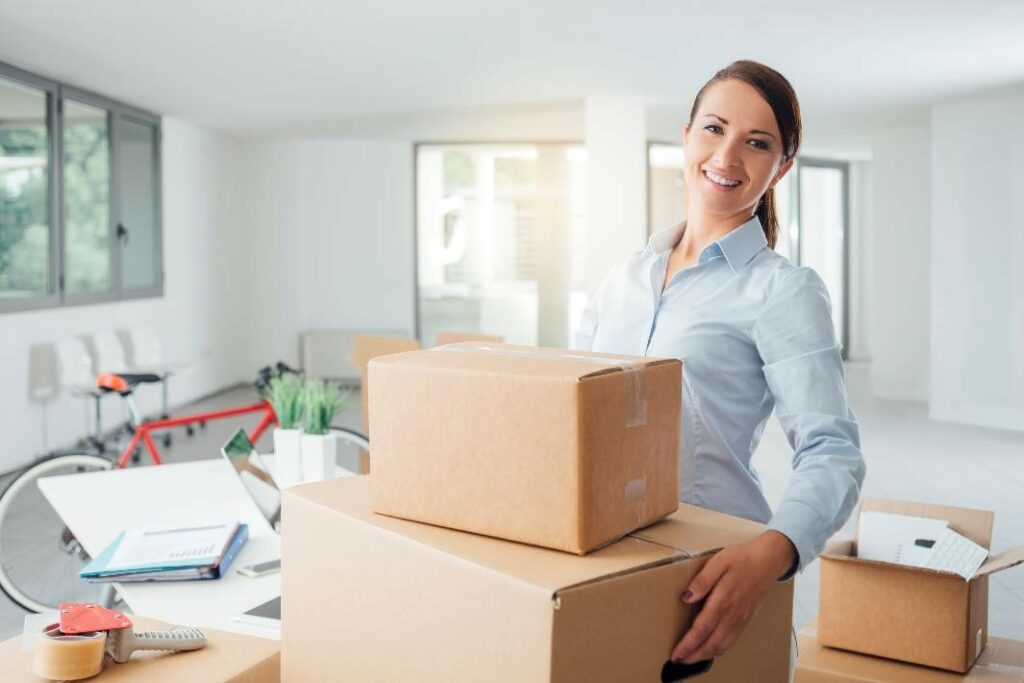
{"x":754,"y":333}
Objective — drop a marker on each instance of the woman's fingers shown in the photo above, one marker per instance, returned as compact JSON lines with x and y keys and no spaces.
{"x":705,"y":580}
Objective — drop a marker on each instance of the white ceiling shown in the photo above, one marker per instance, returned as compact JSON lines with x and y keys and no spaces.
{"x":254,"y":65}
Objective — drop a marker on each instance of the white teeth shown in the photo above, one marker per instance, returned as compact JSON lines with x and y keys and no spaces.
{"x":714,"y":177}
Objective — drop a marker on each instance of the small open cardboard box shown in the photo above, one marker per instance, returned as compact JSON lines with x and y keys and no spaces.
{"x":916,"y":615}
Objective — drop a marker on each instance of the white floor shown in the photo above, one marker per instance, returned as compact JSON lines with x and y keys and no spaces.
{"x":908,"y":455}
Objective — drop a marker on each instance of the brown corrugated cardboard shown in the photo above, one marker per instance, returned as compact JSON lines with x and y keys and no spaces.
{"x":228,"y":657}
{"x":364,"y":348}
{"x":567,"y":450}
{"x":376,"y":598}
{"x":1001,"y":662}
{"x":911,"y":614}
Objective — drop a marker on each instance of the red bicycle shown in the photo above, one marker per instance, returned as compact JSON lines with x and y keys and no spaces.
{"x":39,"y":556}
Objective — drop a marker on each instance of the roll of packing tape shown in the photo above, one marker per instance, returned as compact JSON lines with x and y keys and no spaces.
{"x":68,"y":658}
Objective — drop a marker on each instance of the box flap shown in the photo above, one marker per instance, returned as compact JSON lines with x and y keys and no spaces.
{"x":1004,"y":560}
{"x":523,"y":361}
{"x":445,"y":337}
{"x":367,"y":346}
{"x":550,"y":570}
{"x":695,"y":530}
{"x":974,"y":524}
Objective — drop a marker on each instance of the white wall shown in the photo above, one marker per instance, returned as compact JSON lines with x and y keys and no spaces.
{"x":897,"y":284}
{"x":198,"y":316}
{"x":329,"y":240}
{"x":977,"y":306}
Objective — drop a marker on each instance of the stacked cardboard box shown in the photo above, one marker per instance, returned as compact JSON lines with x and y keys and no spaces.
{"x":568,"y":450}
{"x":369,"y":597}
{"x":525,"y":447}
{"x":912,"y":614}
{"x":1001,"y":662}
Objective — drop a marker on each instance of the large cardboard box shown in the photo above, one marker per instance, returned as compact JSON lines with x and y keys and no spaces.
{"x":567,"y":450}
{"x":911,"y":614}
{"x":227,"y":658}
{"x":374,"y":598}
{"x":366,"y":347}
{"x":1001,"y":662}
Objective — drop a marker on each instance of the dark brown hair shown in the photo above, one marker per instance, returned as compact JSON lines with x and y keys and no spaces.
{"x":781,"y":97}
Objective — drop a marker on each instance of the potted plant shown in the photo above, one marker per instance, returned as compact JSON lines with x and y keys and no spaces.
{"x":321,"y":400}
{"x":286,"y":399}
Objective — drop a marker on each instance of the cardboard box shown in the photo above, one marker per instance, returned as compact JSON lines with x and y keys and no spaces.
{"x":444,"y":337}
{"x":1001,"y":662}
{"x":911,"y":614}
{"x":228,"y":657}
{"x":366,"y":347}
{"x":567,"y":450}
{"x":376,"y":598}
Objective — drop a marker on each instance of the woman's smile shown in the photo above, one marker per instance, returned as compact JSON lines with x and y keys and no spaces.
{"x":720,"y":181}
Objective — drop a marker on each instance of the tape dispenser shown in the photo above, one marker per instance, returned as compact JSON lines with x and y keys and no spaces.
{"x":88,"y":635}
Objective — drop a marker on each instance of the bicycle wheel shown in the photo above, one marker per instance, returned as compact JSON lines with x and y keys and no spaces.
{"x":39,"y":556}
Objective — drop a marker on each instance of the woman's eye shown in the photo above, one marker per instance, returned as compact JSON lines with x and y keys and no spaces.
{"x":712,"y":128}
{"x":759,"y":144}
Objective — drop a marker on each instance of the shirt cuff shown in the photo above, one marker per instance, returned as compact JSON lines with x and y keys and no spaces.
{"x":793,"y":520}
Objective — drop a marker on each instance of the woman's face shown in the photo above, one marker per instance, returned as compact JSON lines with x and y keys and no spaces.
{"x":733,"y":150}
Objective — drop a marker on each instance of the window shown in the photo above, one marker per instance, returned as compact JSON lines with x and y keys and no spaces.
{"x":26,"y":235}
{"x":79,"y":196}
{"x":500,"y":240}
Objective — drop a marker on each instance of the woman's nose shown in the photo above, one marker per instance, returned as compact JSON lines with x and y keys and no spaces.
{"x":727,"y":152}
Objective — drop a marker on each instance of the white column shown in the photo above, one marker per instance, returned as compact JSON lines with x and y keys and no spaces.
{"x":615,"y":134}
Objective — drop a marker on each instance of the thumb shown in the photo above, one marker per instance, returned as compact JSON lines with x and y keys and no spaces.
{"x":705,"y":580}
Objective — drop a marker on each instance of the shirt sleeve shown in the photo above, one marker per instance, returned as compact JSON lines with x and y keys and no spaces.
{"x":804,"y":371}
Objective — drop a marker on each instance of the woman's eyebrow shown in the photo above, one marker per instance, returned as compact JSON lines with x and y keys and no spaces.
{"x":753,"y":132}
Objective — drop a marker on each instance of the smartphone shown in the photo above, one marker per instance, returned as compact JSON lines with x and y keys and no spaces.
{"x":261,"y":569}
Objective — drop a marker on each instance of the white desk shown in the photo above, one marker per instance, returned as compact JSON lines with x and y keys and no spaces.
{"x":97,"y":506}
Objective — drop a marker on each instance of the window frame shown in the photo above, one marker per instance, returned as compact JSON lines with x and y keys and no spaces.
{"x":58,"y":296}
{"x":52,"y":298}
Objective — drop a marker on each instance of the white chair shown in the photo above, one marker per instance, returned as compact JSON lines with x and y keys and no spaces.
{"x":78,"y":378}
{"x":148,"y":356}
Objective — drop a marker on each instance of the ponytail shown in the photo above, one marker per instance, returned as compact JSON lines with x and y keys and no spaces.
{"x":769,"y":218}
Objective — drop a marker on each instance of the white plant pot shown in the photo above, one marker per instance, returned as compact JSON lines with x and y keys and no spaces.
{"x":287,"y":457}
{"x":319,"y":454}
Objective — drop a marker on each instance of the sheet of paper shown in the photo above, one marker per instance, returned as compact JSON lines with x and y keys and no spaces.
{"x":881,"y":534}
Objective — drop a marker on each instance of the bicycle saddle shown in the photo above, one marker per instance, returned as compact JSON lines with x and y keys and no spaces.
{"x":123,"y":383}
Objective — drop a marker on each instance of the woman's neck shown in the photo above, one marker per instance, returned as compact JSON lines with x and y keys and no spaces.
{"x":703,"y":228}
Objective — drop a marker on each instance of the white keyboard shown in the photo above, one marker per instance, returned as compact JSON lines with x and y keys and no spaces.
{"x":957,"y":554}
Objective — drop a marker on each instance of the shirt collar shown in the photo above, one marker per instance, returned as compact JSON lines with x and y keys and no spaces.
{"x":738,"y":247}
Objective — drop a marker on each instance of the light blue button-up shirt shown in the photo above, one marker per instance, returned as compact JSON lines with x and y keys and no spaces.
{"x":754,"y":333}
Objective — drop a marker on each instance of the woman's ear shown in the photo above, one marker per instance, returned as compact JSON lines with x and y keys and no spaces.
{"x":686,"y":131}
{"x":783,"y":170}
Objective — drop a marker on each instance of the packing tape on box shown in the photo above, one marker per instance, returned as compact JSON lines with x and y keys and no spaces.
{"x":60,"y":657}
{"x":636,"y":387}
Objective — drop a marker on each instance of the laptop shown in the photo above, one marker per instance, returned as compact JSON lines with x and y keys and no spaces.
{"x":260,"y":485}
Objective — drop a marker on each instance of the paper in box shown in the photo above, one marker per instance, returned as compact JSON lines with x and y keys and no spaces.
{"x":912,"y":614}
{"x":563,"y":449}
{"x":374,"y":598}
